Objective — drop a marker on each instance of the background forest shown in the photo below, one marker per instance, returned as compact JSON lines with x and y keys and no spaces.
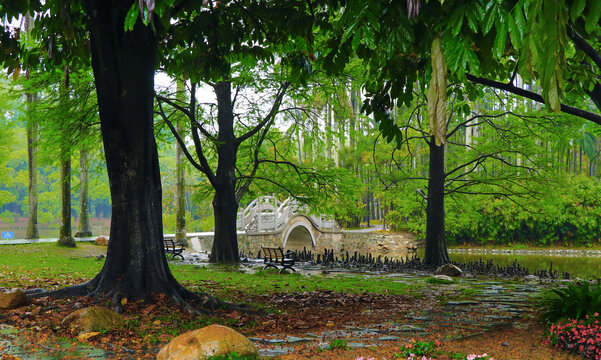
{"x":514,"y":172}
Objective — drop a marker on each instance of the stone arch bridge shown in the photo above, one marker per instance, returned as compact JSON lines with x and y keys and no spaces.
{"x":268,"y":222}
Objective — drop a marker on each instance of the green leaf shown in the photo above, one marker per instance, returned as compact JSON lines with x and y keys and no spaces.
{"x":514,"y":32}
{"x":348,"y":32}
{"x":520,"y":21}
{"x":489,"y":19}
{"x":369,"y":36}
{"x":500,"y":39}
{"x":577,"y":9}
{"x":592,"y":20}
{"x":131,"y":17}
{"x":456,"y":20}
{"x":553,"y":95}
{"x":472,"y":22}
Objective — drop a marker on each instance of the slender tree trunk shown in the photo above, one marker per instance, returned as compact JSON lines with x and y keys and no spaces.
{"x":329,"y":129}
{"x":579,"y":159}
{"x":225,"y":205}
{"x":32,"y":156}
{"x":180,"y":180}
{"x":64,"y":236}
{"x":436,"y":246}
{"x":84,"y":229}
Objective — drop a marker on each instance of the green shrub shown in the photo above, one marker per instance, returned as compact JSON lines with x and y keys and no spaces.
{"x":573,"y":302}
{"x":338,"y":344}
{"x":569,"y":217}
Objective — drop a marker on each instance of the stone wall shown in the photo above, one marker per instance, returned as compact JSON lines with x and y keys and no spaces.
{"x":391,"y":245}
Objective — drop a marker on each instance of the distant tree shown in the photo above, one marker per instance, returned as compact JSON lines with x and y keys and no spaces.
{"x":229,"y":48}
{"x":32,"y":148}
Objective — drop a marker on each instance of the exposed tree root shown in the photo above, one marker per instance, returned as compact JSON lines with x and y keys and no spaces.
{"x":196,"y":303}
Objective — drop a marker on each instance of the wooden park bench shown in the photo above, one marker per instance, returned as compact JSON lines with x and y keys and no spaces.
{"x":172,"y":248}
{"x":274,"y":256}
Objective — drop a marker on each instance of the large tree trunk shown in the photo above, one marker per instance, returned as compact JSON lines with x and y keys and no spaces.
{"x":84,"y":229}
{"x":436,"y":246}
{"x":123,"y":64}
{"x":180,"y":180}
{"x":32,"y":156}
{"x":225,"y":205}
{"x":225,"y":243}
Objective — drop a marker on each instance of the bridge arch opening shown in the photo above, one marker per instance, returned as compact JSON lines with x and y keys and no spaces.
{"x":298,"y":237}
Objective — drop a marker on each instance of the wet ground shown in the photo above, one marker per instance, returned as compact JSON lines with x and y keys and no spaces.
{"x":496,"y":305}
{"x":488,"y":305}
{"x":465,"y":308}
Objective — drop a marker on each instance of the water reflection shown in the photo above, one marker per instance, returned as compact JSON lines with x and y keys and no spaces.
{"x":584,"y":267}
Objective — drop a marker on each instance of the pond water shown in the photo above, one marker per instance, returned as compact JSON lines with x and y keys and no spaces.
{"x":584,"y":267}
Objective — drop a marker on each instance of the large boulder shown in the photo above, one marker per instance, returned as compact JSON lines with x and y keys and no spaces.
{"x":449,"y":270}
{"x":209,"y":341}
{"x":93,"y":319}
{"x":102,"y":241}
{"x":12,"y":299}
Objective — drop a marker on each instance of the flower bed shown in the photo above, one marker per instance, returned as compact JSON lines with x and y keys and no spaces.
{"x":580,"y":336}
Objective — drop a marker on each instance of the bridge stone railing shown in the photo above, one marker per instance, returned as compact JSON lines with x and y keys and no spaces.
{"x":268,"y":214}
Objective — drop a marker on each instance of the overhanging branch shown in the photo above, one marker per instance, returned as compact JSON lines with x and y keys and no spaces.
{"x":534,"y":96}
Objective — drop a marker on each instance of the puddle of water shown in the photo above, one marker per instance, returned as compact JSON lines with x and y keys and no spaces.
{"x":16,"y":342}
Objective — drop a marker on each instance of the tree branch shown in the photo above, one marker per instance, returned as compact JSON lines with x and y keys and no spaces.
{"x":534,"y":96}
{"x":270,"y":116}
{"x":179,"y":140}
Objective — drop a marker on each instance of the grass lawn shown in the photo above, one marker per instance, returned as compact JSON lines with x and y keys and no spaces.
{"x":50,"y":266}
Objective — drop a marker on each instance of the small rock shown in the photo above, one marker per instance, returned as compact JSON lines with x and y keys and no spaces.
{"x":93,"y":318}
{"x":449,"y":270}
{"x":102,"y":241}
{"x":87,"y":335}
{"x":505,"y":343}
{"x":206,"y":342}
{"x":12,"y":299}
{"x":443,"y":277}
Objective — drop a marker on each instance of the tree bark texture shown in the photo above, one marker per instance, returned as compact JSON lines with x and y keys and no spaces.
{"x":225,"y":205}
{"x":32,"y":156}
{"x":65,"y":228}
{"x":436,"y":246}
{"x":32,"y":166}
{"x":84,"y":229}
